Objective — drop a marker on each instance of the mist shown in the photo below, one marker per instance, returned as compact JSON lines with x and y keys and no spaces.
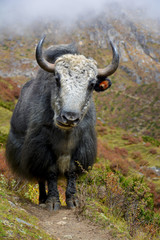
{"x":24,"y":13}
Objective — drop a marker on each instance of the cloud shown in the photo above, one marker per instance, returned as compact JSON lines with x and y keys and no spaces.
{"x":26,"y":12}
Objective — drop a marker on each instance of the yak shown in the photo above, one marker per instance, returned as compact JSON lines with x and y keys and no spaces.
{"x":52,"y":129}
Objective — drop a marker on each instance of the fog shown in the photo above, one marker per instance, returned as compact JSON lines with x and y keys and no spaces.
{"x":26,"y":12}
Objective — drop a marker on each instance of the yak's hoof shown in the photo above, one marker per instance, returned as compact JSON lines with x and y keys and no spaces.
{"x":53,"y":204}
{"x":72,"y":202}
{"x":42,"y":200}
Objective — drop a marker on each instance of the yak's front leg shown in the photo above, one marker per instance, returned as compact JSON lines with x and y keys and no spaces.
{"x":52,"y":202}
{"x":42,"y":192}
{"x":71,"y":199}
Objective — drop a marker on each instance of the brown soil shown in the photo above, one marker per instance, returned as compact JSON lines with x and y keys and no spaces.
{"x":64,"y":224}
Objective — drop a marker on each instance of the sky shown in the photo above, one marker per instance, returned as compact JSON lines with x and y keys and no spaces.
{"x":26,"y":12}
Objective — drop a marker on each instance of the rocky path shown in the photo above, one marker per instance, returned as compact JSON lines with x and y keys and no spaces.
{"x":64,"y":225}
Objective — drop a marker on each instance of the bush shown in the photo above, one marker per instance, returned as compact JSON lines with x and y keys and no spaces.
{"x":138,"y":203}
{"x":119,"y":164}
{"x":151,"y":140}
{"x":131,"y":139}
{"x":153,"y":151}
{"x":136,"y":155}
{"x":21,"y":187}
{"x":121,"y":151}
{"x":8,"y":89}
{"x":128,"y":198}
{"x":3,"y":137}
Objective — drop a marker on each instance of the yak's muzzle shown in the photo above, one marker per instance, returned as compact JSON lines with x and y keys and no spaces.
{"x":67,"y":119}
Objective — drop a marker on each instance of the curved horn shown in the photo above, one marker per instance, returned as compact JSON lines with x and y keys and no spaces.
{"x":110,"y":69}
{"x":42,"y":62}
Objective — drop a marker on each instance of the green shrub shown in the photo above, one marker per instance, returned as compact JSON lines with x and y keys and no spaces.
{"x":3,"y":137}
{"x":8,"y":105}
{"x":151,"y":140}
{"x":128,"y":198}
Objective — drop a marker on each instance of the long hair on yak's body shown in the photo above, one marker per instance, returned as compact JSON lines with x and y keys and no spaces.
{"x":35,"y":143}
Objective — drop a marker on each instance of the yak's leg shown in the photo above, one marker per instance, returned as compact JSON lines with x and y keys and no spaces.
{"x":42,"y":192}
{"x":52,"y":202}
{"x":71,"y":199}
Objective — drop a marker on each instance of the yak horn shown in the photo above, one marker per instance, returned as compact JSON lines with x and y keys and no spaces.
{"x":42,"y":62}
{"x":110,"y":69}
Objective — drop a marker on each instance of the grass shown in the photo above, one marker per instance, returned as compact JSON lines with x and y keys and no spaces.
{"x":131,"y":108}
{"x":114,"y":201}
{"x":108,"y":211}
{"x":5,"y":117}
{"x":15,"y":222}
{"x":114,"y":139}
{"x":128,"y":108}
{"x":120,"y":145}
{"x":129,"y":154}
{"x":100,"y":214}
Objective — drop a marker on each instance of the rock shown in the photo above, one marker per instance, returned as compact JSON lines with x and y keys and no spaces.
{"x":23,"y":222}
{"x":156,"y":170}
{"x":62,"y":223}
{"x":68,"y":236}
{"x":12,"y":204}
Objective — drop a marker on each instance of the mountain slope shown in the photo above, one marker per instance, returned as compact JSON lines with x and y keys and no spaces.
{"x":137,"y":80}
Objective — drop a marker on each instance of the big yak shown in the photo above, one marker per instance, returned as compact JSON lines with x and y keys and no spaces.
{"x":53,"y":125}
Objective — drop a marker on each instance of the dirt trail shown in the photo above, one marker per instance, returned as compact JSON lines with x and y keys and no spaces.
{"x":64,"y":225}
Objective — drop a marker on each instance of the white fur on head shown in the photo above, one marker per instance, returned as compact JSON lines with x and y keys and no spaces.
{"x":76,"y":71}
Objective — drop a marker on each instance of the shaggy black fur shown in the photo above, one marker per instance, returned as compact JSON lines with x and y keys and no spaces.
{"x":35,"y":143}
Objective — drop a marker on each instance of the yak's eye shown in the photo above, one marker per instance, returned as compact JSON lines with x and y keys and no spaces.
{"x":91,"y":85}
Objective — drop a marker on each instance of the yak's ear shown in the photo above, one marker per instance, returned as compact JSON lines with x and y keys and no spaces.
{"x":102,"y":85}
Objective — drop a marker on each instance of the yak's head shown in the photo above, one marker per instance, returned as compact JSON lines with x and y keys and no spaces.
{"x":76,"y":77}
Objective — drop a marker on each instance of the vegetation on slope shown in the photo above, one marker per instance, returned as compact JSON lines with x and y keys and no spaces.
{"x":15,"y":222}
{"x":134,"y":109}
{"x":123,"y":204}
{"x":9,"y":92}
{"x":122,"y":191}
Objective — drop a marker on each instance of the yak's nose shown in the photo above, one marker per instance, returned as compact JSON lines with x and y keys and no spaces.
{"x":70,"y":118}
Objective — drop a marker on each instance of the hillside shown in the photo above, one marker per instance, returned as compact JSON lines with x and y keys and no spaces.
{"x":137,"y":81}
{"x":122,"y":192}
